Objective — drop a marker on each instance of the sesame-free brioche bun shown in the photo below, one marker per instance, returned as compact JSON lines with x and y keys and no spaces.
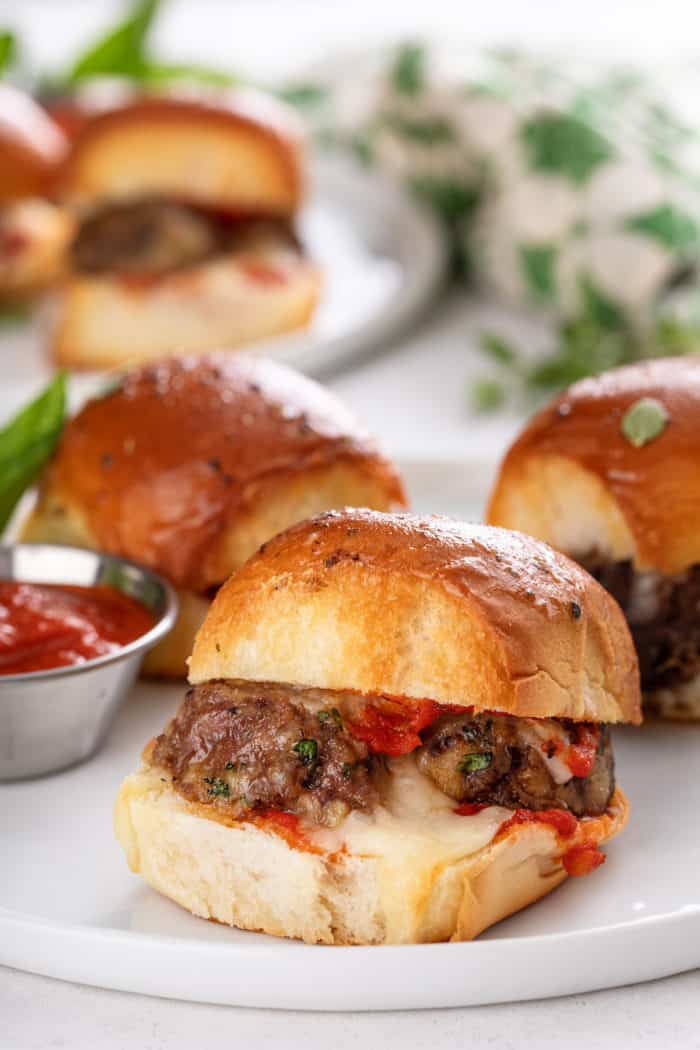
{"x":32,"y":147}
{"x":574,"y":479}
{"x":189,"y":465}
{"x":239,"y":153}
{"x":424,"y":607}
{"x":443,"y":878}
{"x":113,"y":321}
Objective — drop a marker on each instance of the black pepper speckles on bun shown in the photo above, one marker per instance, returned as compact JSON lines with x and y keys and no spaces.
{"x":425,"y":608}
{"x":189,"y":465}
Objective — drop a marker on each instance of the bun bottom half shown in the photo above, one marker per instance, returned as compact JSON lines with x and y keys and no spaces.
{"x":110,"y":322}
{"x":243,"y":875}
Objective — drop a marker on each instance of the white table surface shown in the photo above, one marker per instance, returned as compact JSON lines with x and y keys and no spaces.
{"x":414,"y":397}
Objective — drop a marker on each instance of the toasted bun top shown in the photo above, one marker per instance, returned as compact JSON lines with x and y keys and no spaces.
{"x":426,"y":608}
{"x":646,"y":500}
{"x":162,"y":468}
{"x":241,"y":153}
{"x":32,"y":146}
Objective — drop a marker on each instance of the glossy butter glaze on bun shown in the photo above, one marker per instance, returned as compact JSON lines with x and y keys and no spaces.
{"x":35,"y":232}
{"x":424,"y":607}
{"x":240,"y":152}
{"x":32,"y":147}
{"x":625,"y":503}
{"x":186,"y":241}
{"x":189,"y":465}
{"x":394,"y":734}
{"x":574,"y":479}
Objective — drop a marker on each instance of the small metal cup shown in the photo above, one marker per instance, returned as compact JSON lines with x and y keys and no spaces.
{"x":56,"y":718}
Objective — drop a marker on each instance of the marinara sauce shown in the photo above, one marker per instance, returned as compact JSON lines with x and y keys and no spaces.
{"x":46,"y":625}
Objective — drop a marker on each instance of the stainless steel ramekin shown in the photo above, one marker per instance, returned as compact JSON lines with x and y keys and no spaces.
{"x":55,"y":718}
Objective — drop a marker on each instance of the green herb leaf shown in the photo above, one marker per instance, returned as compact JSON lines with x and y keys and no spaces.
{"x":27,"y":442}
{"x":487,"y":395}
{"x":307,"y":750}
{"x":449,"y":198}
{"x":122,"y":50}
{"x":537,"y":263}
{"x":347,"y":768}
{"x":475,"y":762}
{"x":219,"y":788}
{"x":305,"y":95}
{"x":408,"y":73}
{"x":497,"y":348}
{"x":565,"y":145}
{"x":597,"y":307}
{"x":429,"y":131}
{"x":8,"y":50}
{"x":675,"y":229}
{"x":332,"y":715}
{"x":14,"y":313}
{"x":643,"y":421}
{"x":164,"y":73}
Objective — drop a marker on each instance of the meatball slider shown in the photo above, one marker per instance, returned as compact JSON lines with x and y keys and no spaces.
{"x":187,"y":239}
{"x":609,"y":474}
{"x":397,"y":731}
{"x":189,"y":465}
{"x":34,"y":233}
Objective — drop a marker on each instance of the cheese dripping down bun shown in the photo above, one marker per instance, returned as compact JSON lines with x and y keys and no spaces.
{"x":404,"y":607}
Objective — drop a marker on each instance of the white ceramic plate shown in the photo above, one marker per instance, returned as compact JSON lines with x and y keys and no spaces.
{"x":382,"y":255}
{"x":69,"y":907}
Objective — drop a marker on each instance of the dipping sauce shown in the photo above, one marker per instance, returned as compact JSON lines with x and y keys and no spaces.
{"x":57,"y":625}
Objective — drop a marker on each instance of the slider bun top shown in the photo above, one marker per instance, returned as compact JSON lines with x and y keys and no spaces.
{"x":241,"y":153}
{"x":426,"y":608}
{"x":32,"y":147}
{"x":574,"y":479}
{"x":189,"y":465}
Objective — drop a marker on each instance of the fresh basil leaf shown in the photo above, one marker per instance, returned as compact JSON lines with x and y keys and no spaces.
{"x":537,"y":264}
{"x":8,"y":50}
{"x":122,"y":50}
{"x":408,"y":73}
{"x":643,"y":421}
{"x":673,"y":228}
{"x":26,"y":443}
{"x":562,"y":144}
{"x":166,"y":73}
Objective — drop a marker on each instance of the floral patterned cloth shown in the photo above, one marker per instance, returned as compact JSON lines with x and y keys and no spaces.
{"x":566,"y":188}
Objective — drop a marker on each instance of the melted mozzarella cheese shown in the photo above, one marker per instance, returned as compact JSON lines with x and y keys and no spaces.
{"x":538,"y":735}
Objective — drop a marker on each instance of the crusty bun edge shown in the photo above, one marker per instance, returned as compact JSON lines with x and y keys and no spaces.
{"x":271,"y":125}
{"x":247,"y":876}
{"x":574,"y":479}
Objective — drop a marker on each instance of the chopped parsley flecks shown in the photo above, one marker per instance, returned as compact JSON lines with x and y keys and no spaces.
{"x":475,"y":762}
{"x":307,"y":750}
